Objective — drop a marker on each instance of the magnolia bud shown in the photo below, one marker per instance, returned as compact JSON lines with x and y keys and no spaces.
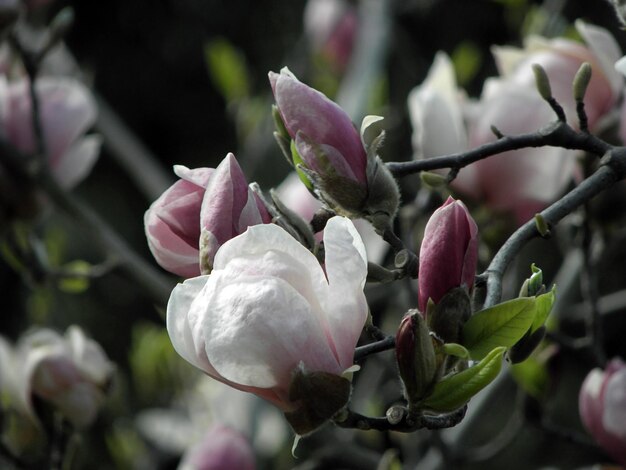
{"x":415,"y":356}
{"x":448,"y":254}
{"x":581,"y":81}
{"x":331,"y":157}
{"x":542,"y":81}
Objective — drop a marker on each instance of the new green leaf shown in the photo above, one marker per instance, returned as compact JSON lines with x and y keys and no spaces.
{"x":453,"y":392}
{"x":501,"y":325}
{"x":543,"y":307}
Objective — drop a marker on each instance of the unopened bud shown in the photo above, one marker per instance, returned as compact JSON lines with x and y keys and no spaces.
{"x":433,"y":180}
{"x":542,"y":81}
{"x":581,"y":81}
{"x":542,"y":225}
{"x":415,"y":356}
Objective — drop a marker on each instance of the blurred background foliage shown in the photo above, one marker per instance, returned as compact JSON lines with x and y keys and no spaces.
{"x":189,"y":79}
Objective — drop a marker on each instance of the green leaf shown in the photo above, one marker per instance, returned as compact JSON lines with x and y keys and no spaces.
{"x":457,"y":350}
{"x":543,"y":307}
{"x":77,"y":279}
{"x":453,"y":392}
{"x":501,"y":325}
{"x":297,"y":160}
{"x":227,"y":68}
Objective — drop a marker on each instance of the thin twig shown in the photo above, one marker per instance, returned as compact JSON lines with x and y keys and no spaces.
{"x":556,"y":134}
{"x":379,"y":346}
{"x":408,"y":423}
{"x":613,"y":169}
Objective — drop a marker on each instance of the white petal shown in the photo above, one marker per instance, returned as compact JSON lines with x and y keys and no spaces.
{"x":346,"y":268}
{"x":257,"y":330}
{"x":435,"y":112}
{"x":183,"y":328}
{"x":76,"y":164}
{"x":606,"y":49}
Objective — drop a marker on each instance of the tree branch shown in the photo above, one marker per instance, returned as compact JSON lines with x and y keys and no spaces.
{"x":556,"y":134}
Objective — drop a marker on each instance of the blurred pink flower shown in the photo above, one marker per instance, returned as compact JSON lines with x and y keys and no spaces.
{"x":70,"y":372}
{"x":67,"y":110}
{"x":331,"y":26}
{"x":602,"y":405}
{"x":222,"y":448}
{"x":523,"y":181}
{"x":448,"y":254}
{"x":198,"y":213}
{"x":268,"y":308}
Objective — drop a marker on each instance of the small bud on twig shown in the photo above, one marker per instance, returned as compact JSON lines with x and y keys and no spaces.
{"x":433,"y":180}
{"x":581,"y":81}
{"x":542,"y":81}
{"x":542,"y":226}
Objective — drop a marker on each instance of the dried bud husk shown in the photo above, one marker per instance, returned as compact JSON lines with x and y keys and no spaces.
{"x":319,"y":396}
{"x":450,"y":314}
{"x":415,"y":355}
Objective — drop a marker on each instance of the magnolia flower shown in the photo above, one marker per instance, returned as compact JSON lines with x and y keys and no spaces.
{"x":331,"y":26}
{"x":172,"y":222}
{"x":70,"y":372}
{"x":331,"y":156}
{"x":602,"y":405}
{"x":203,"y":209}
{"x":524,"y":181}
{"x":448,"y":254}
{"x":67,"y":110}
{"x":435,"y":112}
{"x":269,"y":311}
{"x":221,"y":448}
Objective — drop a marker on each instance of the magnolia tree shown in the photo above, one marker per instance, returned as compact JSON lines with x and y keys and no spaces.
{"x":459,"y":307}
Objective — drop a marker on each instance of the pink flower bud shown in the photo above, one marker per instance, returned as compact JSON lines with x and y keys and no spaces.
{"x":331,"y":26}
{"x":319,"y":127}
{"x":70,"y":372}
{"x":602,"y":405}
{"x":269,"y":309}
{"x":449,"y":252}
{"x":221,"y":448}
{"x":229,"y":207}
{"x":67,"y":110}
{"x":172,"y":222}
{"x":415,"y":356}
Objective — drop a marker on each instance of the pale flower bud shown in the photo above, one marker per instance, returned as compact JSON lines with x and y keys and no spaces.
{"x":268,"y":310}
{"x":448,"y":254}
{"x":67,"y":110}
{"x":222,"y":448}
{"x":602,"y":405}
{"x":331,"y":156}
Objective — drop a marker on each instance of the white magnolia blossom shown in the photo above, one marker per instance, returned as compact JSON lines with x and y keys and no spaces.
{"x":268,"y":307}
